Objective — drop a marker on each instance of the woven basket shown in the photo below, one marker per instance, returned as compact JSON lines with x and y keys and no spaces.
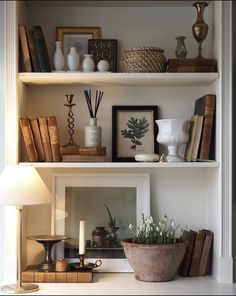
{"x":143,"y":59}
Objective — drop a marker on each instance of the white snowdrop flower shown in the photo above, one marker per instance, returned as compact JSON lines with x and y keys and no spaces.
{"x":131,"y":227}
{"x":157,"y":228}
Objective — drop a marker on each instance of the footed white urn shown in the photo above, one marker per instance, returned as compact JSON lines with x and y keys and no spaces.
{"x":173,"y":133}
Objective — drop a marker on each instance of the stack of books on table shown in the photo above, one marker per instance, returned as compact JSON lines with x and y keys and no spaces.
{"x":198,"y":257}
{"x":83,"y":154}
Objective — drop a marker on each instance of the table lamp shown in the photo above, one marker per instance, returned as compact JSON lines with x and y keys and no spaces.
{"x":21,"y":186}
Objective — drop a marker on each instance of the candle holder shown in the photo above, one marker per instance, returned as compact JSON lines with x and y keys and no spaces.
{"x":48,"y":241}
{"x":81,"y":259}
{"x":70,"y":120}
{"x":84,"y":266}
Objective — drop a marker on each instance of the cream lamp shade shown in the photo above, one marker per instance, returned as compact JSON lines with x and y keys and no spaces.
{"x":22,"y":185}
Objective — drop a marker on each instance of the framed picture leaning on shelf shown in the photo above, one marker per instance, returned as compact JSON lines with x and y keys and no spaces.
{"x":77,"y":37}
{"x":134,"y":131}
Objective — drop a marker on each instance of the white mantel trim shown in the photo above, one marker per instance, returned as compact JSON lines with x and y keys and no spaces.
{"x":226,"y":225}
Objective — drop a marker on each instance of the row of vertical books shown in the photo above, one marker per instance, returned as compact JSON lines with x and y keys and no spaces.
{"x":41,"y":138}
{"x":200,"y":146}
{"x":198,"y":257}
{"x":34,"y":53}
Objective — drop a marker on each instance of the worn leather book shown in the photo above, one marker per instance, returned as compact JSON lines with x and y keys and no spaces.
{"x":28,"y":139}
{"x":205,"y":106}
{"x":43,"y":126}
{"x":192,"y":134}
{"x":190,"y":237}
{"x":192,"y":65}
{"x":82,"y":150}
{"x":83,"y":158}
{"x":104,"y":49}
{"x":206,"y":253}
{"x":41,"y":49}
{"x":54,"y":138}
{"x":197,"y":253}
{"x":24,"y":48}
{"x":32,"y":50}
{"x":32,"y":275}
{"x":37,"y":138}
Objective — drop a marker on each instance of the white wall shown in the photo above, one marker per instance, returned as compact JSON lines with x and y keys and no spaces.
{"x":1,"y":124}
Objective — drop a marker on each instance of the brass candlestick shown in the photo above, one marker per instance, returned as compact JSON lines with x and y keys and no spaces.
{"x":70,"y":120}
{"x":200,"y":28}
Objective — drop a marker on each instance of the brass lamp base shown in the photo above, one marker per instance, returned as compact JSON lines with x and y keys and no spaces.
{"x":24,"y":288}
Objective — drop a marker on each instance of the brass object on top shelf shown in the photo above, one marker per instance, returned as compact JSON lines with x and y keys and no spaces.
{"x":70,"y":120}
{"x":200,"y":28}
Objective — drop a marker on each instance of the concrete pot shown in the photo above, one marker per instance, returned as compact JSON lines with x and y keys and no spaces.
{"x":154,"y":263}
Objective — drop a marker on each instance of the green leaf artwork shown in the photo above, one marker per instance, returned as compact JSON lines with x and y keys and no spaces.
{"x":137,"y":128}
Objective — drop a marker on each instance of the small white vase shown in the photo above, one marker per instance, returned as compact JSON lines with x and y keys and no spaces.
{"x":172,"y":133}
{"x":58,"y":58}
{"x":93,"y":134}
{"x":88,"y":63}
{"x":73,"y":59}
{"x":103,"y":66}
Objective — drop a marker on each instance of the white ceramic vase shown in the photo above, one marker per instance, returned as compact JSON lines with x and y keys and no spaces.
{"x":173,"y":133}
{"x":88,"y":63}
{"x":73,"y":59}
{"x":58,"y":58}
{"x":93,"y":134}
{"x":103,"y":66}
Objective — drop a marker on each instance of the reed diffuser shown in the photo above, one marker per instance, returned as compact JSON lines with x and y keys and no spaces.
{"x":93,"y":133}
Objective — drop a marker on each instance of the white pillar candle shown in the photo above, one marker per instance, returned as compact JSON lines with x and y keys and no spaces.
{"x":81,"y":237}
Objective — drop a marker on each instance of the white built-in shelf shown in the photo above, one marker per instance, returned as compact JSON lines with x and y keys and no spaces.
{"x":119,"y":79}
{"x":115,"y":165}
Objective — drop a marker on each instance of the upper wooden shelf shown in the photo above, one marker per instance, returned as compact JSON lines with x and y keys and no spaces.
{"x":111,"y":3}
{"x":119,"y":79}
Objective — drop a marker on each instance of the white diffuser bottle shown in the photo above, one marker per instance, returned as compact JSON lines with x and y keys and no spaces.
{"x":73,"y":59}
{"x":58,"y":58}
{"x":93,"y":134}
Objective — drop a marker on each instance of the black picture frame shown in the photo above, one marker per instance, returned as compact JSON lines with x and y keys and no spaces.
{"x":124,"y":118}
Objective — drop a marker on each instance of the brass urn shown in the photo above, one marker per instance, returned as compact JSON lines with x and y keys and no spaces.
{"x":200,"y":28}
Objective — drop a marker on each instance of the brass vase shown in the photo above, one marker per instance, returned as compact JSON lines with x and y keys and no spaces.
{"x":200,"y":28}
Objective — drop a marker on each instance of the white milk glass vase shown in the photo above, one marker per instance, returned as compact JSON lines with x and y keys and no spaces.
{"x":93,"y":134}
{"x":58,"y":58}
{"x":88,"y":63}
{"x":173,"y":133}
{"x":73,"y":59}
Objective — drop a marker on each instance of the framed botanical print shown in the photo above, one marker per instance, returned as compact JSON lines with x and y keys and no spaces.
{"x":134,"y":131}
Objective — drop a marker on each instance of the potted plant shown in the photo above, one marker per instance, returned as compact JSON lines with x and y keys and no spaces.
{"x":154,"y":252}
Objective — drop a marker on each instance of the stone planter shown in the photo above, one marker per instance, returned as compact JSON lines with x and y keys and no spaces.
{"x":154,"y":263}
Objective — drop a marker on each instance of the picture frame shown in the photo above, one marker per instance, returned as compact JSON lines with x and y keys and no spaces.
{"x":77,"y":37}
{"x":88,"y":192}
{"x":125,"y":144}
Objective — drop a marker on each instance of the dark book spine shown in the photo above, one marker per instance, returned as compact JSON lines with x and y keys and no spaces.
{"x":33,"y":53}
{"x":206,"y":106}
{"x":41,"y":49}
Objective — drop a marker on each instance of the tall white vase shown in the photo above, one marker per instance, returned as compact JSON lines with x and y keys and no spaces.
{"x":88,"y":63}
{"x":93,"y":134}
{"x":73,"y":59}
{"x":58,"y":58}
{"x":172,"y":133}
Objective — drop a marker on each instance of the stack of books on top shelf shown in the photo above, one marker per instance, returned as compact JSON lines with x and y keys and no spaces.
{"x":198,"y":257}
{"x":41,"y":138}
{"x":201,"y":144}
{"x":34,"y":54}
{"x":83,"y":154}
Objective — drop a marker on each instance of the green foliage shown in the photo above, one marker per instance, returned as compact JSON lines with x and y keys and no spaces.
{"x":138,"y":127}
{"x":148,"y":232}
{"x":112,"y":221}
